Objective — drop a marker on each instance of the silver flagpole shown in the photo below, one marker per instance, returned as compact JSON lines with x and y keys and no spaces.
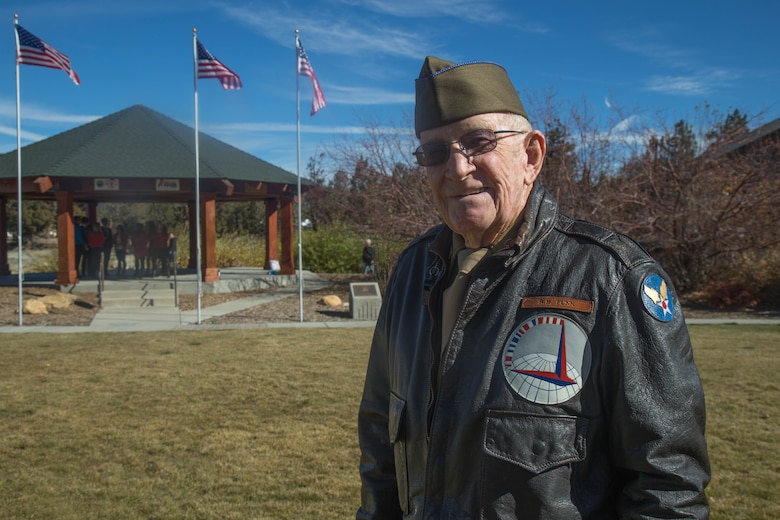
{"x":20,"y":269}
{"x":197,"y":168}
{"x":298,"y":127}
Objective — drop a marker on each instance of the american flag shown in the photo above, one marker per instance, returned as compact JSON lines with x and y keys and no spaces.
{"x":211,"y":67}
{"x":305,"y":69}
{"x":31,"y":50}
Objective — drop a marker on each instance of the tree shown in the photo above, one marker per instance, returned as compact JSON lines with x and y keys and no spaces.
{"x":693,"y":193}
{"x":240,"y":217}
{"x":582,"y":157}
{"x":38,"y":217}
{"x":732,"y":127}
{"x":699,"y":209}
{"x":375,"y":187}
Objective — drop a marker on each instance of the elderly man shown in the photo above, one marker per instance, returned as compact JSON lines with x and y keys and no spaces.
{"x":524,"y":364}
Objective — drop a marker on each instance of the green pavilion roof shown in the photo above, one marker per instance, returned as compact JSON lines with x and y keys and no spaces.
{"x":139,"y":142}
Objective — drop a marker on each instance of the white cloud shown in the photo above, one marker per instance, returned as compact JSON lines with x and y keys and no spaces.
{"x":222,"y":132}
{"x":484,"y":13}
{"x":697,"y":84}
{"x":30,"y":112}
{"x":25,"y":136}
{"x":344,"y":31}
{"x":651,"y":43}
{"x":367,"y":96}
{"x":332,"y":34}
{"x":626,"y":124}
{"x":100,"y":8}
{"x":682,"y":85}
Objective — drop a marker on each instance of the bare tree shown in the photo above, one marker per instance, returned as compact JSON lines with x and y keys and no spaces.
{"x":699,"y":208}
{"x":375,"y":187}
{"x":695,"y":194}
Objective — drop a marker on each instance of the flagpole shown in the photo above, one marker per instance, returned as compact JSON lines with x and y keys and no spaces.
{"x":197,"y":169}
{"x":18,"y":179}
{"x":298,"y":133}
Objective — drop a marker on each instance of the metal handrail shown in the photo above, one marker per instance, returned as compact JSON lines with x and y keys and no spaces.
{"x":175,"y":279}
{"x":101,"y":279}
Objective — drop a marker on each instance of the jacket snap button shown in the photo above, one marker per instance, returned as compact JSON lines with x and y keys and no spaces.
{"x":538,"y":447}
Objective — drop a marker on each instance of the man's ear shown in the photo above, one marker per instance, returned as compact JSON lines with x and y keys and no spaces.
{"x":535,"y":151}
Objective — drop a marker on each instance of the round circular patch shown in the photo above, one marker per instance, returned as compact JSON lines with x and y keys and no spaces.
{"x":547,"y":359}
{"x":657,"y":298}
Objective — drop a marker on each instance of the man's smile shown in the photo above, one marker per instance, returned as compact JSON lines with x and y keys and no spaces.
{"x":474,"y":191}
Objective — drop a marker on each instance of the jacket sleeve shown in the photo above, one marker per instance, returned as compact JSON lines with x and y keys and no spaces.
{"x":656,"y":402}
{"x":379,"y":491}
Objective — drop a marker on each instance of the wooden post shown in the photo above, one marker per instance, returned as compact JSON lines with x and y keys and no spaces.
{"x":288,"y":255}
{"x":66,"y":242}
{"x":208,"y":217}
{"x":271,"y":232}
{"x":5,"y":269}
{"x":193,"y":262}
{"x":92,"y":212}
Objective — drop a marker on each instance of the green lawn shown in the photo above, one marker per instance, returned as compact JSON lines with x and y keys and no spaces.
{"x":261,"y":423}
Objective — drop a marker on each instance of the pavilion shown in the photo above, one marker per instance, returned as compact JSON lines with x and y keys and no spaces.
{"x":140,"y":155}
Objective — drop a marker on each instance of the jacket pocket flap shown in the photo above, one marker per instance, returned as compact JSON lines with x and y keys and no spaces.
{"x":396,"y":416}
{"x":533,"y":442}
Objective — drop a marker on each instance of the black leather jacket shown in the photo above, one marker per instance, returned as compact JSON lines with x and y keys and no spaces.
{"x":567,"y":390}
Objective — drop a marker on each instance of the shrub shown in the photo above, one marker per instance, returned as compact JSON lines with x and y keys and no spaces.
{"x":332,"y":249}
{"x":240,"y":251}
{"x":725,"y":294}
{"x":44,"y":261}
{"x":753,"y":280}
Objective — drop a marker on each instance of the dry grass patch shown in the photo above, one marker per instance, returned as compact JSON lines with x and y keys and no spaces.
{"x":214,"y":424}
{"x":261,"y":423}
{"x":739,"y":366}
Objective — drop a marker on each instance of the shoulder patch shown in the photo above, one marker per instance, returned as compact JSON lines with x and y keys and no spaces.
{"x":657,"y":298}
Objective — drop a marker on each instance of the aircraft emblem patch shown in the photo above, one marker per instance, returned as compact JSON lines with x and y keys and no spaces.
{"x":657,"y":298}
{"x":547,"y":359}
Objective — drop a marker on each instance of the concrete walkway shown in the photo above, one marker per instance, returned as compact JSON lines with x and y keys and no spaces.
{"x":137,"y":319}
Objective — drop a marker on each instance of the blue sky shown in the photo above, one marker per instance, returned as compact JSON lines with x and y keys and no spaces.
{"x":661,"y":56}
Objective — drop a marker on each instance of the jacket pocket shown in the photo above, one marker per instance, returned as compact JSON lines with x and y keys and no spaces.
{"x":395,"y":426}
{"x":536,"y":443}
{"x":526,"y":470}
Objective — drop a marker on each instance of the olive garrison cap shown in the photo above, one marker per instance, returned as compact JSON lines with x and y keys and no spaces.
{"x":446,"y":92}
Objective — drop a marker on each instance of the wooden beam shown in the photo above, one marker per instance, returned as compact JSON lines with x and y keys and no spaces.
{"x":43,"y":184}
{"x":39,"y":185}
{"x":228,"y":187}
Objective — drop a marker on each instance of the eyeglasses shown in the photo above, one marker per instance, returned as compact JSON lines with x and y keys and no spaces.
{"x":473,"y":143}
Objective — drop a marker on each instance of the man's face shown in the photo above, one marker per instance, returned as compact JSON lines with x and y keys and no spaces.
{"x":481,"y":197}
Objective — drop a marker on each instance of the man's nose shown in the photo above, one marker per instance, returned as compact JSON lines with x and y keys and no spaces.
{"x":459,"y":165}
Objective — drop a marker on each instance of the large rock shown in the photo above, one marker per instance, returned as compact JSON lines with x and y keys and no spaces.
{"x":35,"y":307}
{"x":59,"y":300}
{"x":331,"y":300}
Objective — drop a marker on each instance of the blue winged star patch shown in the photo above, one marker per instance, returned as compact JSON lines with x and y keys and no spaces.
{"x":657,"y":298}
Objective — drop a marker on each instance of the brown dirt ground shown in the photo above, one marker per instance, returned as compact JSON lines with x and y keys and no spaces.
{"x":283,"y":310}
{"x":79,"y":314}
